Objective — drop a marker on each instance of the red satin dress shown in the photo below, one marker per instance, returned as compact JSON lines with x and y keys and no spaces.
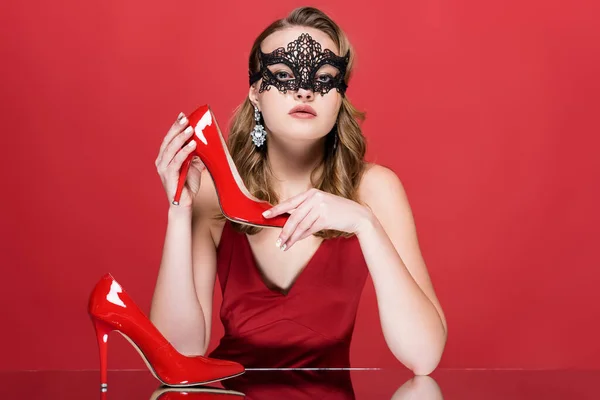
{"x":310,"y":326}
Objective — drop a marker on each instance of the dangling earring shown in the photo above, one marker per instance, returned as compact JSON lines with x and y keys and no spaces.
{"x":258,"y":133}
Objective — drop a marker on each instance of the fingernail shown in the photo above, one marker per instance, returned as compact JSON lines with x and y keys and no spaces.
{"x":266,"y":213}
{"x":278,"y":242}
{"x":183,"y":121}
{"x":192,"y":143}
{"x":283,"y":247}
{"x":181,"y":114}
{"x":188,"y":130}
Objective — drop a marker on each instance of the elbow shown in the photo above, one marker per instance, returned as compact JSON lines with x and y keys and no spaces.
{"x":427,"y":361}
{"x":422,"y":370}
{"x":426,"y":365}
{"x":421,"y":353}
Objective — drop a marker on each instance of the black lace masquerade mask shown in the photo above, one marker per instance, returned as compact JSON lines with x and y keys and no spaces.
{"x":304,"y":58}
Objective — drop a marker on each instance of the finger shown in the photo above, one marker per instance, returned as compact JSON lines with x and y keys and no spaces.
{"x":305,"y":228}
{"x":313,"y":229}
{"x":176,"y":145}
{"x":289,"y":204}
{"x":179,"y":125}
{"x":291,"y":224}
{"x":182,"y":155}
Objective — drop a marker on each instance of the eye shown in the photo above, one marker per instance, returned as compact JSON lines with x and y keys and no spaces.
{"x":325,"y":78}
{"x":283,"y":76}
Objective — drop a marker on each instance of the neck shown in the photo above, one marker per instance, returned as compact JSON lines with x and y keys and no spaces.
{"x":292,"y":165}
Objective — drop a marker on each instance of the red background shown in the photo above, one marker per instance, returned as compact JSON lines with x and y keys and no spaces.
{"x":487,"y":111}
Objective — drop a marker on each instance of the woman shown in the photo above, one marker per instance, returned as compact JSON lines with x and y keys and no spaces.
{"x":290,"y":294}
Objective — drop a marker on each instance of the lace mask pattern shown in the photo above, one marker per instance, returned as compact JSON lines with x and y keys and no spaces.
{"x":304,"y":57}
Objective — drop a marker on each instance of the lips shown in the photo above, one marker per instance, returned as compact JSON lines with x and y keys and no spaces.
{"x":302,"y":110}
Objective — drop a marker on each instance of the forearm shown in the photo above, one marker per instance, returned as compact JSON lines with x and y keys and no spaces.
{"x":411,"y":324}
{"x":175,"y":309}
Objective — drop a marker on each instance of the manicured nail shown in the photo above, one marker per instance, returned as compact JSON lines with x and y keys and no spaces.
{"x":278,"y":242}
{"x":283,"y":247}
{"x":192,"y":143}
{"x":188,"y":130}
{"x":266,"y":213}
{"x":183,"y":121}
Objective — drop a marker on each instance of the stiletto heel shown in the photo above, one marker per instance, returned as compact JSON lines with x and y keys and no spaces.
{"x":111,"y":309}
{"x":102,"y":332}
{"x":235,"y":201}
{"x":185,"y":167}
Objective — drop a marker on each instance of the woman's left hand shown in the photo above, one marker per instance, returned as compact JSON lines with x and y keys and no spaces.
{"x":315,"y":210}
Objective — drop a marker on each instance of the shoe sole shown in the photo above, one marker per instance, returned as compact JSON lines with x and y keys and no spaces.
{"x":233,"y":219}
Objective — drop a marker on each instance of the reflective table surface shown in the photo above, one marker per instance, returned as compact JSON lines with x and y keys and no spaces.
{"x":309,"y":384}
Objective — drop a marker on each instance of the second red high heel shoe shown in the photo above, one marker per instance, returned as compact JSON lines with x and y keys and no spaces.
{"x":236,"y":202}
{"x":112,"y":309}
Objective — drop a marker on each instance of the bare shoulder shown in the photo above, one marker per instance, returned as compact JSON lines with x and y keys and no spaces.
{"x":377,"y":185}
{"x":206,"y":206}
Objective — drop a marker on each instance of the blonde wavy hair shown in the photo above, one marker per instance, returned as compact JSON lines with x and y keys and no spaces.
{"x":343,"y":166}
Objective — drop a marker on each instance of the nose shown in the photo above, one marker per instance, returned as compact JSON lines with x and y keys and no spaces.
{"x":304,"y":94}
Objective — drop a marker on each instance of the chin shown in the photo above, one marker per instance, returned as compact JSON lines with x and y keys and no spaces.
{"x":303,"y":131}
{"x":309,"y":135}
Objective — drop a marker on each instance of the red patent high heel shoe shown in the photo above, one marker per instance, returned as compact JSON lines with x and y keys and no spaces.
{"x":236,"y":202}
{"x":111,"y":309}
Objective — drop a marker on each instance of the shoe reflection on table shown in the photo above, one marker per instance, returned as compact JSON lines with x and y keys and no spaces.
{"x":295,"y":385}
{"x":200,"y":393}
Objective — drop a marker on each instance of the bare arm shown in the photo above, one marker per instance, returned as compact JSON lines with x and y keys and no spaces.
{"x":412,"y":320}
{"x":182,"y":301}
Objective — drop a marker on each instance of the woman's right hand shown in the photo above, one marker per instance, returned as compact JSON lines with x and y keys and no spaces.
{"x":170,"y":158}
